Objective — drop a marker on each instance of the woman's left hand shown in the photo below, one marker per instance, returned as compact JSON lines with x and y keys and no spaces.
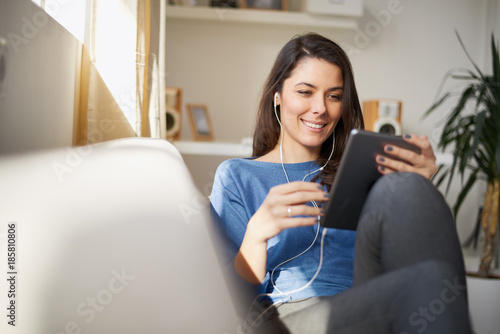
{"x":423,"y":163}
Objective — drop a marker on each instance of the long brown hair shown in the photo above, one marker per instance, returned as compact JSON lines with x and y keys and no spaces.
{"x":267,"y":129}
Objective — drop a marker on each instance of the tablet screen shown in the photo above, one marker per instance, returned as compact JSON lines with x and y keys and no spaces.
{"x":356,"y":175}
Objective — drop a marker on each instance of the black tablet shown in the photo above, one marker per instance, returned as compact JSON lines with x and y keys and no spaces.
{"x":356,"y":175}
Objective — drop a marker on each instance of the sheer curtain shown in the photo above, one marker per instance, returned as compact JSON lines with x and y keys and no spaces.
{"x":119,"y":87}
{"x":124,"y":80}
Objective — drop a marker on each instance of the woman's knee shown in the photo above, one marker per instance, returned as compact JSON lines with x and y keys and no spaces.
{"x":403,"y":189}
{"x":397,"y":183}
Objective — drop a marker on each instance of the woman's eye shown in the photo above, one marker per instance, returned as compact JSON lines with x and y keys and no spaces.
{"x":304,"y":92}
{"x":335,"y":97}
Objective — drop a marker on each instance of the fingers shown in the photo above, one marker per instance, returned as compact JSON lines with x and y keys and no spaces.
{"x":287,"y":206}
{"x":292,"y":187}
{"x":298,"y":215}
{"x":269,"y":221}
{"x":292,"y":211}
{"x":296,"y":193}
{"x":292,"y":199}
{"x":403,"y":160}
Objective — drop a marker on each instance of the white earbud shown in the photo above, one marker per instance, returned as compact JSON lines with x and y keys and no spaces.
{"x":275,"y":111}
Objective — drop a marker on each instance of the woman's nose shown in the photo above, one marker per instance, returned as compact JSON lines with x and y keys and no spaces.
{"x":319,"y":106}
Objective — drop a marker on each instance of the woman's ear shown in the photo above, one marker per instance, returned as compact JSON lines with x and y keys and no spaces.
{"x":277,"y":100}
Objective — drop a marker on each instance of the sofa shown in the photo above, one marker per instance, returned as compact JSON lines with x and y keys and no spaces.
{"x":108,"y":238}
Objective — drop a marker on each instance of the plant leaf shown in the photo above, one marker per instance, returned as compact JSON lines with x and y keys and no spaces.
{"x":476,"y":139}
{"x":496,"y":70}
{"x":463,"y":192}
{"x":443,"y":171}
{"x":468,"y":55}
{"x":437,"y":104}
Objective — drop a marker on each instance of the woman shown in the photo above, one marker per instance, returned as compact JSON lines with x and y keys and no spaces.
{"x":405,"y":247}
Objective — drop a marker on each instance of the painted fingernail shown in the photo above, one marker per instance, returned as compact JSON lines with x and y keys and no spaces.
{"x":389,"y":148}
{"x":407,"y":136}
{"x":326,"y":194}
{"x":381,"y":159}
{"x":320,"y":187}
{"x":382,"y":168}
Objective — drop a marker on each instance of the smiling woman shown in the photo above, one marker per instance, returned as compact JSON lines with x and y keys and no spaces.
{"x":310,"y":108}
{"x":339,"y":81}
{"x":267,"y":209}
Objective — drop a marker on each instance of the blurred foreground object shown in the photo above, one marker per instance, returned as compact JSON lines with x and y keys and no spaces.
{"x":108,"y":238}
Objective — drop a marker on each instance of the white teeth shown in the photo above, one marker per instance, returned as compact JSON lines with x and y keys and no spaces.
{"x":314,"y":126}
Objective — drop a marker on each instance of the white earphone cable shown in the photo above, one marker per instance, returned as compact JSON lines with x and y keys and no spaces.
{"x":317,"y":231}
{"x":323,"y":234}
{"x":288,"y":293}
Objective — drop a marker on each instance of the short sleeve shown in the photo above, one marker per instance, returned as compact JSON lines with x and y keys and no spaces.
{"x":228,"y":212}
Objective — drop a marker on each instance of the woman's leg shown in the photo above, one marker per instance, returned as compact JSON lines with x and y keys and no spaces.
{"x":420,"y":298}
{"x":409,"y":273}
{"x":405,"y":221}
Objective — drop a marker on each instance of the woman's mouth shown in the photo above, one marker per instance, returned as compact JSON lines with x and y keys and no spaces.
{"x":313,"y":125}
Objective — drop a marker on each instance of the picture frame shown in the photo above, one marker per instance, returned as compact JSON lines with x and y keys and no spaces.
{"x":265,"y":4}
{"x":200,"y":123}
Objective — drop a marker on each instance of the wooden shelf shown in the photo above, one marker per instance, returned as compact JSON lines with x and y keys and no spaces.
{"x":233,"y":15}
{"x":239,"y":150}
{"x":235,"y":150}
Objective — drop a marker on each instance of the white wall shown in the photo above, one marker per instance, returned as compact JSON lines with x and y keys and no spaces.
{"x":36,"y":109}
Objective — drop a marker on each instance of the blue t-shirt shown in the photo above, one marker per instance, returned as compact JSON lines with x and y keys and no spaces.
{"x":240,"y":187}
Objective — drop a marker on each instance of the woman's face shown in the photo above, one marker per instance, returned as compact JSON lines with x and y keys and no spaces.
{"x":310,"y":104}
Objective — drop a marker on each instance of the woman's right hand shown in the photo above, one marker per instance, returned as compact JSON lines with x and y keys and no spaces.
{"x":273,"y":215}
{"x":279,"y":211}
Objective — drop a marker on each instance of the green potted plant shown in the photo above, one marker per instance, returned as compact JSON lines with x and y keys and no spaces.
{"x":472,"y":132}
